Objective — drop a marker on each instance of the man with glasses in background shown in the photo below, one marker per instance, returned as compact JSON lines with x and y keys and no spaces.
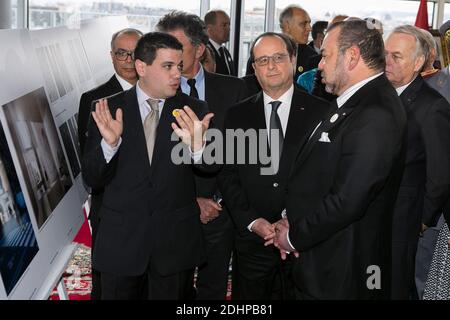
{"x":296,"y":23}
{"x":123,"y":44}
{"x":257,"y":200}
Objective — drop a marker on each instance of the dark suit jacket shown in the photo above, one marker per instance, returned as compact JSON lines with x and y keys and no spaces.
{"x":425,"y":186}
{"x":248,"y":194}
{"x":112,"y":86}
{"x":87,"y":100}
{"x":221,"y":67}
{"x":307,"y":59}
{"x":149,"y":213}
{"x":341,"y":196}
{"x":221,"y":93}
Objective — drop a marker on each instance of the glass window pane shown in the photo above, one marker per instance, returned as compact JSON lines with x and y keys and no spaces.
{"x":141,"y":15}
{"x":391,"y":13}
{"x":252,"y":26}
{"x":14,"y":14}
{"x":446,"y":12}
{"x":220,"y":4}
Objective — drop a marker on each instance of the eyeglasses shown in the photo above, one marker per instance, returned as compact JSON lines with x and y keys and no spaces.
{"x":122,"y":55}
{"x":276,"y":58}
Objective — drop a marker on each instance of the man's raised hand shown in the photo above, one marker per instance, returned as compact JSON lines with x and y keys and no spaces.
{"x":110,"y":129}
{"x":189,"y":128}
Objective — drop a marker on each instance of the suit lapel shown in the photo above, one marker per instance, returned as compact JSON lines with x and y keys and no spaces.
{"x":259,"y":114}
{"x":334,"y":118}
{"x":299,"y":125}
{"x":133,"y":121}
{"x":410,"y":94}
{"x":210,"y":97}
{"x":115,"y":84}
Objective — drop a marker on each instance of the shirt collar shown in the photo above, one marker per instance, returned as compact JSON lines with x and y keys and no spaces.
{"x":342,"y":99}
{"x":123,"y":83}
{"x":142,"y":97}
{"x":199,"y":77}
{"x":285,"y":98}
{"x":403,"y":88}
{"x":215,"y":44}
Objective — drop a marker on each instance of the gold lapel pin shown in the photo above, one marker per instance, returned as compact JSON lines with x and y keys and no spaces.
{"x":175,"y":113}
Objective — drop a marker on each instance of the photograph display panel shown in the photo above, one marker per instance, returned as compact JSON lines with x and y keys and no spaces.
{"x":18,"y":244}
{"x":40,"y":153}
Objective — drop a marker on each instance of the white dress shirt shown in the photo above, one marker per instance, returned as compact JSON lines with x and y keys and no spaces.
{"x":123,"y":83}
{"x":199,"y":84}
{"x":403,"y":88}
{"x":215,"y":45}
{"x":144,"y":110}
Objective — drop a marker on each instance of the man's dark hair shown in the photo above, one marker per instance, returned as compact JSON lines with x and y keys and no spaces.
{"x":211,"y":16}
{"x":127,"y":31}
{"x":191,"y":24}
{"x":291,"y":46}
{"x":149,"y":44}
{"x":356,"y":32}
{"x":318,"y":27}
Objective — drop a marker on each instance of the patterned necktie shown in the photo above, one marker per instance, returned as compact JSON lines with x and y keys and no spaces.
{"x":150,"y":126}
{"x":194,"y":92}
{"x":275,"y":124}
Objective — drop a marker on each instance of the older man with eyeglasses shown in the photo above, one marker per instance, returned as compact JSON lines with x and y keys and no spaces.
{"x":288,"y":115}
{"x":123,"y":44}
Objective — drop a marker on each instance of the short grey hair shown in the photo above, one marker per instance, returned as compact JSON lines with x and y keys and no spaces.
{"x":127,"y":31}
{"x":421,"y":43}
{"x":287,"y":14}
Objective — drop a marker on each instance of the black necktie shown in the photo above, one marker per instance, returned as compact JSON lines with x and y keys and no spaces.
{"x":224,"y":58}
{"x":275,"y":124}
{"x":193,"y":93}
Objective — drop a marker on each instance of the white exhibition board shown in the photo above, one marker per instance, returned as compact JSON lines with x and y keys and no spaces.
{"x":96,"y":37}
{"x":43,"y":74}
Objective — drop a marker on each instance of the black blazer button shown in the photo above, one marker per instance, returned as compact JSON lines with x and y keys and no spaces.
{"x":275,"y":184}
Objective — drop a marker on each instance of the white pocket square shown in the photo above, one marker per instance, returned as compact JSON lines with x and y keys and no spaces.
{"x":324,"y":137}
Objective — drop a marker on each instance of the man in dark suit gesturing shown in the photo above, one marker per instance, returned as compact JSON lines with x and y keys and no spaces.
{"x":220,"y":92}
{"x":123,"y":44}
{"x":342,"y":188}
{"x":425,"y":186}
{"x":150,"y":228}
{"x":256,"y":199}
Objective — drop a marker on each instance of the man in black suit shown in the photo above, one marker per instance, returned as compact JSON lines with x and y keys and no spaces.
{"x":123,"y":44}
{"x":254,"y":193}
{"x":150,"y":228}
{"x":425,"y":186}
{"x":344,"y":182}
{"x":218,"y":29}
{"x":220,"y":92}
